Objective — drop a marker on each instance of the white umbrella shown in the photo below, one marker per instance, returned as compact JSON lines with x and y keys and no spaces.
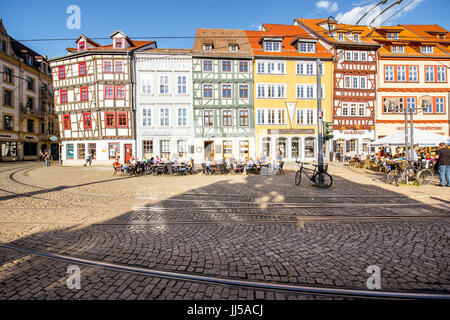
{"x":421,"y":138}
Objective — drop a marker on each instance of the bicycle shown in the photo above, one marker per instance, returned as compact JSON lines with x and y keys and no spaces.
{"x":425,"y":174}
{"x":319,"y":175}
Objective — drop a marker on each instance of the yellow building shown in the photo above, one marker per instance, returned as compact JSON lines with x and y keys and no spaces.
{"x":285,"y":91}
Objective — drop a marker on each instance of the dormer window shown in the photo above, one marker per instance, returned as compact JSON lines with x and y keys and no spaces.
{"x":118,"y":43}
{"x":207,"y":47}
{"x":272,"y":46}
{"x":29,"y":60}
{"x":307,"y":47}
{"x":427,"y":49}
{"x":233,"y":47}
{"x":393,"y":36}
{"x":81,"y":45}
{"x":398,"y":49}
{"x":340,"y":36}
{"x":356,"y":37}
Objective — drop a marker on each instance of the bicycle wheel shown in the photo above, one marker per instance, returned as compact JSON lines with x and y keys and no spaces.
{"x":391,"y":176}
{"x":323,"y":180}
{"x":424,"y":177}
{"x":298,"y":177}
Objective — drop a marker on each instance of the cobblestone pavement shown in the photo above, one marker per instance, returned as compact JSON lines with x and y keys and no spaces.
{"x":256,"y":228}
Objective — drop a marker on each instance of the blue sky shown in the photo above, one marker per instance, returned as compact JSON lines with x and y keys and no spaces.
{"x":33,"y":19}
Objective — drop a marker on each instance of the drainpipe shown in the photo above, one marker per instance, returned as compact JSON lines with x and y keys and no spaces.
{"x":133,"y":98}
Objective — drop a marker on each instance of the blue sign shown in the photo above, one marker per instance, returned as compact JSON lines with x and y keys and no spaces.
{"x":53,"y":138}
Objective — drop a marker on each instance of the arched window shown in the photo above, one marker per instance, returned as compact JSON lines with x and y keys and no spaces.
{"x":295,"y":147}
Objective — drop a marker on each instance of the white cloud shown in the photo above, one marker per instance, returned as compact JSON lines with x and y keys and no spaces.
{"x":327,"y":5}
{"x":353,"y":15}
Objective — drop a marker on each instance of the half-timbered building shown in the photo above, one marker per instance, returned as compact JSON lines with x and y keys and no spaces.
{"x":222,"y":74}
{"x":27,"y":119}
{"x":164,"y":104}
{"x":94,"y":99}
{"x":413,"y":69}
{"x":354,"y":83}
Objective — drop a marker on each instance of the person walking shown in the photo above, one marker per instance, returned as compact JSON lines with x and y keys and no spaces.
{"x":47,"y":159}
{"x":443,"y":161}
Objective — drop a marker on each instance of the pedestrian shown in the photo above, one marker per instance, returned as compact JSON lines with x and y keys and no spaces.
{"x":47,"y":159}
{"x":443,"y":162}
{"x":89,"y":159}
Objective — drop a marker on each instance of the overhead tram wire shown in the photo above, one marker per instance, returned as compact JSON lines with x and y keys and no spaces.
{"x":365,"y":14}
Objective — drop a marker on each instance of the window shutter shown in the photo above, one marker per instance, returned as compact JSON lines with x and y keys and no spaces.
{"x":334,"y":145}
{"x":347,"y":145}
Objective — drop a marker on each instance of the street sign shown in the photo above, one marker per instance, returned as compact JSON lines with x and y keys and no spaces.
{"x":53,"y":138}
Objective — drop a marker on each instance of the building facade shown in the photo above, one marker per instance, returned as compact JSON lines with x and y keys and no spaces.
{"x":354,"y":83}
{"x":222,"y":95}
{"x":94,"y":99}
{"x":164,"y":114}
{"x":285,"y":76}
{"x":26,"y":102}
{"x":413,"y":69}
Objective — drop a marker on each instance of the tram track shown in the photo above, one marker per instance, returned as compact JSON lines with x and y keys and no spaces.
{"x":287,"y":288}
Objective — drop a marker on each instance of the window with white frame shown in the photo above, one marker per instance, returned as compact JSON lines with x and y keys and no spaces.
{"x":260,"y":116}
{"x":147,"y":116}
{"x":182,"y":117}
{"x":363,"y":83}
{"x":281,"y":116}
{"x":272,"y":46}
{"x":429,"y":74}
{"x":164,"y":117}
{"x":260,"y":67}
{"x":347,"y":80}
{"x":271,"y":67}
{"x":398,"y":49}
{"x":412,"y":70}
{"x":353,"y":109}
{"x":356,"y":37}
{"x":411,"y":104}
{"x":260,"y":90}
{"x":354,"y":82}
{"x":345,"y":109}
{"x":356,"y":55}
{"x":363,"y":56}
{"x":182,"y":148}
{"x":270,"y":91}
{"x":361,"y":110}
{"x":147,"y":146}
{"x":146,"y":83}
{"x":348,"y":55}
{"x":388,"y":73}
{"x":439,"y":105}
{"x":281,"y":93}
{"x":226,"y":91}
{"x":306,"y":116}
{"x":441,"y":74}
{"x":401,"y":73}
{"x":271,"y":116}
{"x":163,"y":84}
{"x":427,"y":49}
{"x":340,"y":36}
{"x":309,"y":47}
{"x":181,"y":84}
{"x":308,"y":91}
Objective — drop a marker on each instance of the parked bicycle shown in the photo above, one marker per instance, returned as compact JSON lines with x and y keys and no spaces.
{"x":319,"y":176}
{"x":409,"y":173}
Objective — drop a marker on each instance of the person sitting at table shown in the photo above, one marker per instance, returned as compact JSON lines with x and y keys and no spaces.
{"x":248,"y":166}
{"x":152,"y":160}
{"x":118,"y":166}
{"x":208,"y":165}
{"x":157,"y":160}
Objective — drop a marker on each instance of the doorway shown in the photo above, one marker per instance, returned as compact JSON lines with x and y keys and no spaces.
{"x":209,"y":150}
{"x":128,"y":152}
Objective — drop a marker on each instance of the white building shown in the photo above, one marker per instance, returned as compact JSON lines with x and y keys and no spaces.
{"x":164,"y":120}
{"x":94,"y":99}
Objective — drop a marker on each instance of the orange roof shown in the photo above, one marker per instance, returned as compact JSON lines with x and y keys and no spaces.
{"x":429,"y":32}
{"x":320,"y":27}
{"x":289,"y":35}
{"x":411,"y":41}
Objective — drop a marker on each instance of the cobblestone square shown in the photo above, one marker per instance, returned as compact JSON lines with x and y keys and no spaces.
{"x":223,"y":237}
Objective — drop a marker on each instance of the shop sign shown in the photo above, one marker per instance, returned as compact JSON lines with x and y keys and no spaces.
{"x":290,"y":131}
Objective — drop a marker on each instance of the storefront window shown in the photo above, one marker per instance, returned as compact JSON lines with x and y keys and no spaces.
{"x":281,"y":148}
{"x":227,"y":149}
{"x":165,"y":149}
{"x":69,"y":148}
{"x":92,"y":149}
{"x":365,"y":145}
{"x":309,"y":148}
{"x":340,"y":143}
{"x":81,"y":151}
{"x":182,"y":148}
{"x":114,"y":150}
{"x":266,"y":147}
{"x":353,"y":144}
{"x":243,"y":149}
{"x":295,"y":148}
{"x":9,"y":149}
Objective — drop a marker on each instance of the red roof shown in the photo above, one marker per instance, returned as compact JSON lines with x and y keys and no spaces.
{"x":289,"y":35}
